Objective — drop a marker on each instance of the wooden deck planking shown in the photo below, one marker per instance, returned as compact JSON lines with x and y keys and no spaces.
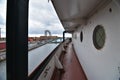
{"x":72,"y":67}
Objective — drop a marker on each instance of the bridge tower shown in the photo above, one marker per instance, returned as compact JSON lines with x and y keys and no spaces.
{"x":47,"y":31}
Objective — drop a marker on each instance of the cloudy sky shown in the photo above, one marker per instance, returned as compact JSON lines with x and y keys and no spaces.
{"x":42,"y":16}
{"x":3,"y":17}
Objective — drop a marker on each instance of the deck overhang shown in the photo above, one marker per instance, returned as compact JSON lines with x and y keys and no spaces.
{"x":74,"y":13}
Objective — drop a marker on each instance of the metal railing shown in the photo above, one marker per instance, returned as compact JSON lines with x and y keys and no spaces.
{"x":45,"y":70}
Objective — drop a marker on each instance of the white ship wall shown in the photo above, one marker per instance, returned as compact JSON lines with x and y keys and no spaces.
{"x":100,"y":64}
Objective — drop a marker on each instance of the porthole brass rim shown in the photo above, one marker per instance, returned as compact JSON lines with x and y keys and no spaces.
{"x":103,"y":38}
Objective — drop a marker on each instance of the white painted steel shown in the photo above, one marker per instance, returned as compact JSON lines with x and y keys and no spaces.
{"x":74,"y":13}
{"x":37,"y":56}
{"x":100,"y":64}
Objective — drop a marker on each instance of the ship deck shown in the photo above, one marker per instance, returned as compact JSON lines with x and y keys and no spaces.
{"x":72,"y":67}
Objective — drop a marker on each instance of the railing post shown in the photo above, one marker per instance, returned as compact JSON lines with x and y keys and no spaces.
{"x":64,"y":35}
{"x":17,"y":39}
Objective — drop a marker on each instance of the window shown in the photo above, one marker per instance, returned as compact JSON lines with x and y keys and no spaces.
{"x":99,"y":37}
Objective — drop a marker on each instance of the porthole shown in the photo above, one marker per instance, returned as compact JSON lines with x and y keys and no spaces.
{"x":99,"y":37}
{"x":81,"y":36}
{"x":110,"y":10}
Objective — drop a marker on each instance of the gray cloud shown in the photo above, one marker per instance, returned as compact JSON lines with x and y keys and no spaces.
{"x":57,"y":31}
{"x":54,"y":29}
{"x":2,"y":1}
{"x":43,"y":17}
{"x":37,"y":31}
{"x":1,"y":20}
{"x":42,"y":31}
